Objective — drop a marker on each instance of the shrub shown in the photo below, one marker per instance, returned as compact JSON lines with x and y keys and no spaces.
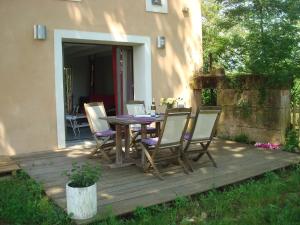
{"x":291,"y":141}
{"x":242,"y":138}
{"x":209,"y":97}
{"x":22,"y":201}
{"x":83,"y":175}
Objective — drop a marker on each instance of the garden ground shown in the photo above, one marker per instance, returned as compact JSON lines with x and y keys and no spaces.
{"x":273,"y":198}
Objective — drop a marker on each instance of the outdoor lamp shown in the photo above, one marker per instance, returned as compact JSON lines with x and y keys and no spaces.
{"x":161,"y":42}
{"x":39,"y":32}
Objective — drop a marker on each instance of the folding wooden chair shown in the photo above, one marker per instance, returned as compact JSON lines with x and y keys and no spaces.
{"x":100,"y":129}
{"x":171,"y":138}
{"x":201,"y":132}
{"x":137,"y":108}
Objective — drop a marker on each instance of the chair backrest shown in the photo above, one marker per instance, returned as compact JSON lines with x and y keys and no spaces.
{"x":204,"y":124}
{"x":136,"y":108}
{"x":94,"y":111}
{"x":174,"y":126}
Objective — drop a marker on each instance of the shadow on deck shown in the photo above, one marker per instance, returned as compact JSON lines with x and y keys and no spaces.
{"x":121,"y":190}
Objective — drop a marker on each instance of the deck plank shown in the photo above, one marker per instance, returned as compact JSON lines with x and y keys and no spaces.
{"x":7,"y":165}
{"x":122,"y":190}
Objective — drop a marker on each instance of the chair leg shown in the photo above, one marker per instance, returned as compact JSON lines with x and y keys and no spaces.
{"x":212,"y":159}
{"x":205,"y":150}
{"x":148,"y":156}
{"x":183,"y":166}
{"x":196,"y":159}
{"x":100,"y":149}
{"x":94,"y":152}
{"x":102,"y":153}
{"x":187,"y":162}
{"x":179,"y":158}
{"x":133,"y":140}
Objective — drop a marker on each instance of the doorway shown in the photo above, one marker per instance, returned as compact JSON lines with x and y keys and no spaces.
{"x":94,"y":73}
{"x":141,"y":46}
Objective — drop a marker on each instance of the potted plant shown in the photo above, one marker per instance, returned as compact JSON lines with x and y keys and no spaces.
{"x":81,"y":190}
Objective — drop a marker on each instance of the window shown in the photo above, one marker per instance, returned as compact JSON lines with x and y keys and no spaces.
{"x":156,"y":2}
{"x":157,"y":6}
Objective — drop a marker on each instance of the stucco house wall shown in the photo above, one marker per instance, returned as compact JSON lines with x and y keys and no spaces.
{"x":27,"y":66}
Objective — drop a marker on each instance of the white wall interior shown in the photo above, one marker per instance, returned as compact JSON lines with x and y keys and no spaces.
{"x":141,"y":61}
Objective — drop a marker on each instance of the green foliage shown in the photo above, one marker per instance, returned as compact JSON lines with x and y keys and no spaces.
{"x":273,"y":199}
{"x":295,"y":93}
{"x":235,"y":81}
{"x":242,"y":138}
{"x":83,"y":175}
{"x":291,"y":141}
{"x":209,"y":97}
{"x":181,"y":202}
{"x":140,"y":212}
{"x":22,"y":201}
{"x":251,"y":36}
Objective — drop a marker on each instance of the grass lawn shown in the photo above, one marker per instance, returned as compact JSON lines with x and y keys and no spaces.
{"x":272,"y":199}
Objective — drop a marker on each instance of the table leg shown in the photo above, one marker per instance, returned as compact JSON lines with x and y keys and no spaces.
{"x":143,"y":131}
{"x":127,"y":141}
{"x":119,"y":158}
{"x":120,"y":161}
{"x":157,"y":126}
{"x":143,"y":136}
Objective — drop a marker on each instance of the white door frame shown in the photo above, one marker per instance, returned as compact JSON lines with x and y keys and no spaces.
{"x":141,"y":67}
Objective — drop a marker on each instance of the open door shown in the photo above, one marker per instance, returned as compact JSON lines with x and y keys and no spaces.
{"x":123,"y":77}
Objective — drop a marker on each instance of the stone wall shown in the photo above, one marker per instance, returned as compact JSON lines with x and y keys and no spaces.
{"x":246,"y":112}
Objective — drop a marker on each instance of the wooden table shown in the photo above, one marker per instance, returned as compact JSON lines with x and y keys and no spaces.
{"x":123,"y":122}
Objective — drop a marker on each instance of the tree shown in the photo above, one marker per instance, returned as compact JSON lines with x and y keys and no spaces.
{"x":254,"y":36}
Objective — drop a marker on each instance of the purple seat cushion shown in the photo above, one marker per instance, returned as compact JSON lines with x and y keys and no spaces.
{"x":150,"y":141}
{"x":106,"y":133}
{"x":188,"y":136}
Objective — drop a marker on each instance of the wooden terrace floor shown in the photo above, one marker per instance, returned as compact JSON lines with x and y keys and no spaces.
{"x":122,"y":190}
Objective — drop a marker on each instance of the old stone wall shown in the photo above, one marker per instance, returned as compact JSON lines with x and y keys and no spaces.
{"x":263,"y":117}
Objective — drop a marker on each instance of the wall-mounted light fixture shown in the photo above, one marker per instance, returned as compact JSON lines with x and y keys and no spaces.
{"x":161,"y":42}
{"x":39,"y":32}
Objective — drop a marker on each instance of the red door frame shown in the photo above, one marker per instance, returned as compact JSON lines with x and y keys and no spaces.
{"x":117,"y":78}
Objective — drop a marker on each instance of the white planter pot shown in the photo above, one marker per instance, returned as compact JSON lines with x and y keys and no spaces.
{"x":81,"y":202}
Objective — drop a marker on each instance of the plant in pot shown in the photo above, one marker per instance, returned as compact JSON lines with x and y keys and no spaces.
{"x":81,"y":190}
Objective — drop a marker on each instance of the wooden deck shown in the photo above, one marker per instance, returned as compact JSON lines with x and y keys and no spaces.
{"x":122,"y":190}
{"x":7,"y":165}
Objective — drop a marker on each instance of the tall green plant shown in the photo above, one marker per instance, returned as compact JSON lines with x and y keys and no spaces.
{"x":256,"y":36}
{"x":291,"y":141}
{"x":295,"y":93}
{"x":272,"y":35}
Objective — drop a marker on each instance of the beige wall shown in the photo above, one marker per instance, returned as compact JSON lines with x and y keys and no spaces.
{"x":27,"y":100}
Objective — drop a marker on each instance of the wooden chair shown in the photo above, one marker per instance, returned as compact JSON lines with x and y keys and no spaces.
{"x":137,"y":108}
{"x":201,"y":132}
{"x":100,"y":129}
{"x":171,"y":138}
